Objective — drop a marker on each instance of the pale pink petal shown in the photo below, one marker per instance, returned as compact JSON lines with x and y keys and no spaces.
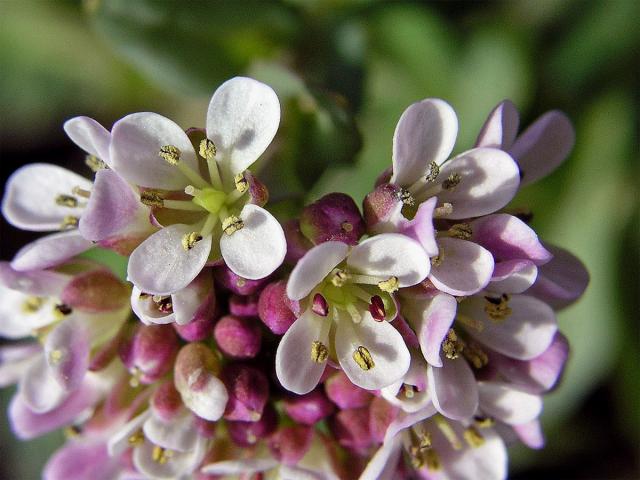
{"x":66,"y":351}
{"x":90,"y":136}
{"x":500,"y":128}
{"x":136,"y":141}
{"x":405,"y":420}
{"x":509,"y":404}
{"x":296,"y":370}
{"x":39,"y":388}
{"x":242,"y":119}
{"x":513,"y":276}
{"x":16,"y":321}
{"x":257,"y":249}
{"x":15,"y":360}
{"x":453,"y":389}
{"x":311,"y":269}
{"x":161,"y":265}
{"x":187,"y":301}
{"x":465,"y":269}
{"x":238,"y":467}
{"x":29,"y":200}
{"x":415,"y":377}
{"x":420,"y":228}
{"x":147,"y":310}
{"x":542,"y":147}
{"x":50,"y":251}
{"x":180,"y":465}
{"x":530,"y":434}
{"x":80,"y":460}
{"x":37,"y":282}
{"x":119,"y":441}
{"x":426,"y":132}
{"x":179,"y":434}
{"x":383,"y":465}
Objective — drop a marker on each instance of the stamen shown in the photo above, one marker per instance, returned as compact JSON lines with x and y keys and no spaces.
{"x":438,"y":259}
{"x":432,"y":460}
{"x":451,"y":345}
{"x":353,"y":311}
{"x":497,"y":308}
{"x":470,"y":322}
{"x":319,"y":351}
{"x":473,"y":437}
{"x":320,"y":305}
{"x":363,"y":358}
{"x":392,"y":284}
{"x":409,"y":391}
{"x":346,"y":227}
{"x":165,"y":304}
{"x":241,"y":183}
{"x":406,"y":197}
{"x":189,"y":240}
{"x":475,"y":355}
{"x":81,"y":192}
{"x":207,"y":149}
{"x":376,"y":308}
{"x":463,"y":231}
{"x":182,"y":205}
{"x":32,"y":304}
{"x":445,"y":210}
{"x":483,"y":421}
{"x":136,"y":375}
{"x":339,"y":277}
{"x":55,"y":356}
{"x":209,"y":223}
{"x":61,"y":310}
{"x":434,"y":171}
{"x":448,"y":431}
{"x":69,"y":221}
{"x":152,"y":199}
{"x":94,"y":163}
{"x":161,"y":455}
{"x":232,"y":224}
{"x":171,"y":154}
{"x":136,"y":439}
{"x":452,"y":181}
{"x":66,"y":201}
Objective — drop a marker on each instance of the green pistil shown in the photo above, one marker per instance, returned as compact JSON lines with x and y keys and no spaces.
{"x":210,"y":199}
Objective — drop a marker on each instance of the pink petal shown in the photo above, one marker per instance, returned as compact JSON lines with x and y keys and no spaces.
{"x":500,"y":128}
{"x":509,"y":404}
{"x":66,"y":350}
{"x":530,"y":434}
{"x":15,"y":360}
{"x":420,"y":228}
{"x":513,"y":276}
{"x":50,"y":251}
{"x":313,"y":267}
{"x":38,"y":282}
{"x":446,"y":384}
{"x":79,"y":460}
{"x":90,"y":136}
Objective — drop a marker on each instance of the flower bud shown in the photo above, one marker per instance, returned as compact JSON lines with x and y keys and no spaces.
{"x":310,"y":408}
{"x":297,"y":243}
{"x":198,"y":330}
{"x":381,"y":204}
{"x":149,"y":353}
{"x":275,"y":309}
{"x":345,"y":394}
{"x":246,"y":434}
{"x":244,"y":306}
{"x":351,"y":428}
{"x":166,"y":402}
{"x":290,"y":444}
{"x":334,"y":217}
{"x":237,"y":284}
{"x":381,"y":414}
{"x":248,"y":391}
{"x":96,"y":291}
{"x":238,"y":337}
{"x":205,"y":428}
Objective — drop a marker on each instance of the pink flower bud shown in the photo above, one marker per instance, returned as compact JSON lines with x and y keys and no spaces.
{"x":236,"y":284}
{"x":290,"y":444}
{"x":310,"y":408}
{"x":276,"y":310}
{"x":380,"y":204}
{"x":96,"y":291}
{"x":351,"y":429}
{"x":246,"y":434}
{"x":198,"y":330}
{"x":376,"y":308}
{"x":238,"y":337}
{"x":205,"y":428}
{"x":381,"y":414}
{"x":334,"y":217}
{"x":150,"y":352}
{"x":166,"y":402}
{"x":244,"y":306}
{"x":297,"y":243}
{"x":248,"y":390}
{"x":345,"y":394}
{"x":320,"y":305}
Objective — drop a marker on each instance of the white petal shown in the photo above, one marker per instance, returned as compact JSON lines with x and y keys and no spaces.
{"x":160,"y":265}
{"x":50,"y":251}
{"x":489,"y":180}
{"x":180,"y":434}
{"x":39,"y":389}
{"x":391,"y":255}
{"x":258,"y":248}
{"x":405,"y":420}
{"x":311,"y":269}
{"x":513,"y":276}
{"x":238,"y":467}
{"x":119,"y":441}
{"x":508,"y":403}
{"x":146,"y":309}
{"x":296,"y":370}
{"x":187,"y":301}
{"x":136,"y":141}
{"x":242,"y":119}
{"x":204,"y":394}
{"x":385,"y":344}
{"x":15,"y":320}
{"x":453,"y":389}
{"x":500,"y":128}
{"x":180,"y":464}
{"x":30,"y":196}
{"x":384,"y":462}
{"x":426,"y":132}
{"x":90,"y":136}
{"x":15,"y":360}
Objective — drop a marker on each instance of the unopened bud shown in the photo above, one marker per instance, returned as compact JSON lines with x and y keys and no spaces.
{"x":345,"y":394}
{"x":244,"y":306}
{"x":290,"y":444}
{"x":149,"y":353}
{"x":310,"y":408}
{"x":275,"y":309}
{"x":334,"y":217}
{"x":238,"y":337}
{"x":248,"y":391}
{"x":247,"y":434}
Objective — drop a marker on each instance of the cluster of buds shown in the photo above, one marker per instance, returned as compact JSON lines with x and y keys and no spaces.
{"x":415,"y":339}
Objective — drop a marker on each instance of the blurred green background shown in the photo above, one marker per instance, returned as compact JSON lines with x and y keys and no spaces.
{"x":345,"y":71}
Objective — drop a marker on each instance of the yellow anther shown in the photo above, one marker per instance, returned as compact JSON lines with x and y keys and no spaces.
{"x":346,"y":227}
{"x":81,"y":192}
{"x":449,"y":433}
{"x":232,"y":224}
{"x":242,"y":185}
{"x":363,"y":358}
{"x":55,"y":356}
{"x":94,"y":163}
{"x":136,"y":439}
{"x":72,"y":431}
{"x":452,"y":181}
{"x":497,"y":308}
{"x":438,"y":259}
{"x":161,"y":455}
{"x":432,"y":460}
{"x":434,"y":171}
{"x":69,"y":221}
{"x":319,"y":351}
{"x":392,"y":284}
{"x":189,"y":240}
{"x":473,"y":437}
{"x":339,"y":277}
{"x":136,"y":375}
{"x":151,"y":199}
{"x":32,"y":304}
{"x":66,"y":201}
{"x":463,"y":231}
{"x":445,"y":210}
{"x":484,"y":422}
{"x":406,"y":197}
{"x":408,"y":390}
{"x":452,"y":346}
{"x":207,"y":149}
{"x":475,"y":355}
{"x":170,"y":153}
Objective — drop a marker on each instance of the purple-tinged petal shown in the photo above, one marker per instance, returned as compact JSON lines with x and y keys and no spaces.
{"x":383,"y":464}
{"x":30,"y":196}
{"x":66,"y":351}
{"x":345,"y":394}
{"x":542,"y":147}
{"x":405,"y":420}
{"x":465,"y":267}
{"x":187,"y":301}
{"x":296,"y":369}
{"x":313,"y":267}
{"x":513,"y":276}
{"x":416,"y":378}
{"x":309,"y":409}
{"x":161,"y":265}
{"x":426,"y":132}
{"x":561,"y":281}
{"x":489,"y":179}
{"x":239,"y":467}
{"x":242,"y":119}
{"x":524,"y":333}
{"x":39,"y":388}
{"x":508,"y":403}
{"x":420,"y":228}
{"x":333,"y":217}
{"x":530,"y":434}
{"x":383,"y":208}
{"x":118,"y":443}
{"x":15,"y":360}
{"x":166,"y":403}
{"x":446,"y":384}
{"x":90,"y":136}
{"x":509,"y":238}
{"x":95,"y":291}
{"x":391,"y":255}
{"x":385,"y":346}
{"x":149,"y":353}
{"x":79,"y":460}
{"x":50,"y":251}
{"x":500,"y":128}
{"x":38,"y":282}
{"x":257,"y":249}
{"x":238,"y":337}
{"x":431,"y":318}
{"x":136,"y":141}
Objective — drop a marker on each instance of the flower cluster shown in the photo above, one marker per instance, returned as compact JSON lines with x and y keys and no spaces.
{"x":413,"y":340}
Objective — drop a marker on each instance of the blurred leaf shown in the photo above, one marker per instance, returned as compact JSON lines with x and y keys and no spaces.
{"x":190,"y":49}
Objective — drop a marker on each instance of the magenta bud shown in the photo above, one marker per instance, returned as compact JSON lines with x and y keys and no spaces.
{"x":297,"y":243}
{"x":351,"y":429}
{"x":310,"y":408}
{"x":238,"y":337}
{"x":244,"y":306}
{"x":345,"y":394}
{"x":320,"y":305}
{"x":166,"y":402}
{"x":150,"y":352}
{"x":248,"y":390}
{"x":275,"y":309}
{"x":376,"y":308}
{"x":205,"y":428}
{"x":200,"y":328}
{"x":379,"y":205}
{"x":290,"y":444}
{"x":381,"y":414}
{"x":237,"y":284}
{"x":258,"y":191}
{"x":246,"y":434}
{"x":334,"y":217}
